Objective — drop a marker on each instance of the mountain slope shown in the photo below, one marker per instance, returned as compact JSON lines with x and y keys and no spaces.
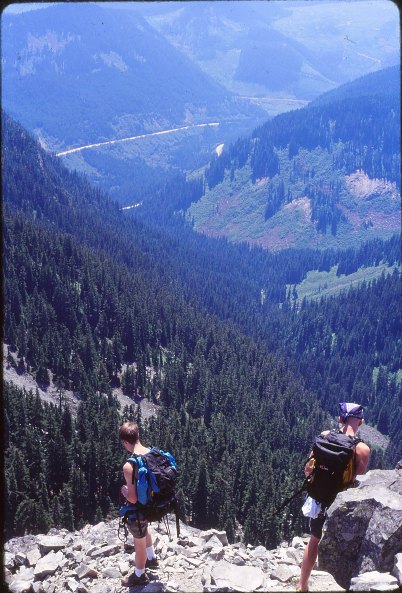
{"x":78,"y":73}
{"x":89,"y":291}
{"x":89,"y":296}
{"x":251,"y":288}
{"x":327,"y":175}
{"x":94,"y":73}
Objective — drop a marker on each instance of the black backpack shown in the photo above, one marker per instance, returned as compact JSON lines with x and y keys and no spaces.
{"x":333,"y":466}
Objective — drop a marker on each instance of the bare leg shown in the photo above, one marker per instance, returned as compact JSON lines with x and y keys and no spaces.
{"x":309,"y":558}
{"x":140,"y":553}
{"x":148,"y":539}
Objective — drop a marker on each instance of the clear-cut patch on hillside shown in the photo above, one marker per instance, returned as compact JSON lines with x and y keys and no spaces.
{"x":115,"y":60}
{"x":301,"y":204}
{"x":361,"y":186}
{"x":51,"y":40}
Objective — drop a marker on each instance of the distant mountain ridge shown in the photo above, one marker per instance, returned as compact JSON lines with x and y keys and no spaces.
{"x":79,"y":73}
{"x":95,"y":73}
{"x":268,"y":50}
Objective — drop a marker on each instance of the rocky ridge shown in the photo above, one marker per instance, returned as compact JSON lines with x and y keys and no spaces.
{"x":93,"y":560}
{"x":361,"y":547}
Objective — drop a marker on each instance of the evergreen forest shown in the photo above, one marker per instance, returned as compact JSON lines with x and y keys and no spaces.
{"x":96,"y":299}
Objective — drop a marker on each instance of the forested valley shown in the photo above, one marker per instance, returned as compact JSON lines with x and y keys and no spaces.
{"x":94,"y":299}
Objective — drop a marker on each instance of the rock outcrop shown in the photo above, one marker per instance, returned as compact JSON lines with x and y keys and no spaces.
{"x":361,"y":550}
{"x":93,"y":560}
{"x":362,"y":537}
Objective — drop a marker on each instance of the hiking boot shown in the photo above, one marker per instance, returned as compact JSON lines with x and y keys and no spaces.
{"x":152,"y":563}
{"x":133,"y":580}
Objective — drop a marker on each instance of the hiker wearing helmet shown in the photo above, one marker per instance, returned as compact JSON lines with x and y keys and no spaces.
{"x":352,"y":457}
{"x":144,"y":551}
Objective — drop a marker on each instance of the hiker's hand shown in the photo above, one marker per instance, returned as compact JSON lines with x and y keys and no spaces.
{"x":124,"y":491}
{"x":308,"y":468}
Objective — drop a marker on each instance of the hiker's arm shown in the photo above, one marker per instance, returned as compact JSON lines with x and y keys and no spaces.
{"x":362,"y":458}
{"x":309,"y":465}
{"x":129,"y":490}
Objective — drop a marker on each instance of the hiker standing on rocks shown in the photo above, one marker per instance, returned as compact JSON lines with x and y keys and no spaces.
{"x":351,"y":417}
{"x":144,"y":551}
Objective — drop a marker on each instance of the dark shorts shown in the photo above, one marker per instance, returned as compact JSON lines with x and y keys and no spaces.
{"x":137,"y":527}
{"x":316,"y":524}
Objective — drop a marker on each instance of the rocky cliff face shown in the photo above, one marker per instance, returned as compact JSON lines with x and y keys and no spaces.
{"x":362,"y":538}
{"x":361,"y":548}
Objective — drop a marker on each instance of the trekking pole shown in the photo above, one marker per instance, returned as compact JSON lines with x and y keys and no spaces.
{"x":176,"y":512}
{"x":289,"y":499}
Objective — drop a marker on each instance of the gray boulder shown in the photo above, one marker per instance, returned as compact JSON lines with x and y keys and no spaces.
{"x":84,"y":571}
{"x":76,"y":586}
{"x":285,"y":573}
{"x":47,"y":543}
{"x":397,"y":569}
{"x":213,"y":542}
{"x":236,"y":578}
{"x":374,"y":581}
{"x":33,"y":556}
{"x":111,"y":572}
{"x":23,"y":574}
{"x":216,"y":554}
{"x":259,"y":552}
{"x":20,"y":586}
{"x":363,"y":530}
{"x":221,"y":535}
{"x":9,"y":560}
{"x":382,"y":477}
{"x":48,"y":564}
{"x":104,"y":551}
{"x":20,"y":558}
{"x":323,"y":581}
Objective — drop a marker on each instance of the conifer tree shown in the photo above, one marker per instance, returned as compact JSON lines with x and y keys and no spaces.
{"x":200,"y":498}
{"x":66,"y":510}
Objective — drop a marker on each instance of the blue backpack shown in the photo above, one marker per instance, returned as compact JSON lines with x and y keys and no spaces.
{"x":156,"y":484}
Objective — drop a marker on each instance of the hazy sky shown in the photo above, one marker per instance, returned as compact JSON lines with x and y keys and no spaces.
{"x":23,"y":7}
{"x":15,"y":7}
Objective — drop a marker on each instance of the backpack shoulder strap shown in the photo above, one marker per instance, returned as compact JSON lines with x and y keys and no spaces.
{"x":356,"y":441}
{"x":135,"y":460}
{"x":137,"y":463}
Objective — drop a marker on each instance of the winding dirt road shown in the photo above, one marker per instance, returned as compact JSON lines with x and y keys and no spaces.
{"x":87,"y":146}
